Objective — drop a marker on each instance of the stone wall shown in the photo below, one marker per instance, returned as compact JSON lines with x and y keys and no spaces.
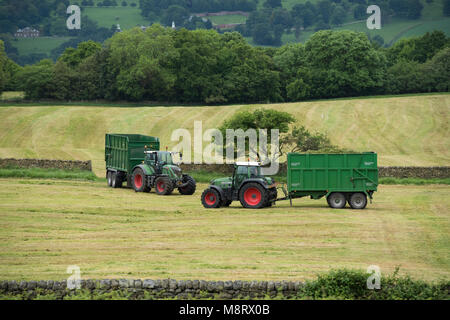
{"x":158,"y":289}
{"x":396,"y":172}
{"x":45,"y":163}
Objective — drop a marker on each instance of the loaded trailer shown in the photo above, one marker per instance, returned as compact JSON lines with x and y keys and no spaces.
{"x":340,"y":178}
{"x":136,"y":159}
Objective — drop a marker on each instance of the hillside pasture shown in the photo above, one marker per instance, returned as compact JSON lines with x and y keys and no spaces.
{"x":403,"y":130}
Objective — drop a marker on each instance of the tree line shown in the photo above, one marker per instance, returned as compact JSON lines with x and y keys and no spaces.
{"x":202,"y":66}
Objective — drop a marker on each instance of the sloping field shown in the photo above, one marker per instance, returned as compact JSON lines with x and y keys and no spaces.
{"x":404,"y":130}
{"x":47,"y":225}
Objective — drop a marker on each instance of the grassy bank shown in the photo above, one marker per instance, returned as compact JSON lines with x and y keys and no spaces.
{"x":78,"y":132}
{"x":42,"y":173}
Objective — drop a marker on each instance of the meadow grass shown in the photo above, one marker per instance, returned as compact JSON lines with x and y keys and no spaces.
{"x":46,"y":225}
{"x":410,"y":130}
{"x":52,"y":173}
{"x":26,"y":46}
{"x":127,"y":17}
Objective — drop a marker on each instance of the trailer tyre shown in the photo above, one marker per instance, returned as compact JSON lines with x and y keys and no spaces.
{"x":336,"y":200}
{"x":211,"y":198}
{"x":358,"y":200}
{"x":253,"y":196}
{"x":116,"y":181}
{"x":108,"y":178}
{"x":138,"y":181}
{"x":163,"y":186}
{"x":190,"y":187}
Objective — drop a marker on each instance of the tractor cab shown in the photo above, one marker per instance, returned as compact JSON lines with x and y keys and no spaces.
{"x":245,"y":170}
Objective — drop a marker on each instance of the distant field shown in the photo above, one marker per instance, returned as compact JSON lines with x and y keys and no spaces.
{"x":38,"y":45}
{"x":404,"y":130}
{"x":127,"y":17}
{"x":46,"y":225}
{"x":231,"y":18}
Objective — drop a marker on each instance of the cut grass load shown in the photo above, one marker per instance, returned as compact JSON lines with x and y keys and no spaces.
{"x":46,"y":225}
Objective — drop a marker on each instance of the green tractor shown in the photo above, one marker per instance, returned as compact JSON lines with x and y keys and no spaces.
{"x":247,"y":185}
{"x":159,"y":171}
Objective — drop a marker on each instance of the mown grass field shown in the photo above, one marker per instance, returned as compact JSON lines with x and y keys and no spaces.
{"x":27,"y":46}
{"x":46,"y":225}
{"x":127,"y":17}
{"x":403,"y":130}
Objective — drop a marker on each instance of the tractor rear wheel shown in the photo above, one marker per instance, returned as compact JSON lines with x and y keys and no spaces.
{"x":336,"y":200}
{"x":163,"y":186}
{"x":253,"y":195}
{"x":138,"y":181}
{"x":108,"y":178}
{"x":358,"y":200}
{"x":190,"y":186}
{"x":210,"y":198}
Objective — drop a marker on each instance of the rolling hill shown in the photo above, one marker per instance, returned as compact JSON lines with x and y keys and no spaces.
{"x":404,"y":130}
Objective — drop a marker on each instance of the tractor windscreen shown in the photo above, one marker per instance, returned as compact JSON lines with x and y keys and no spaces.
{"x":166,"y":157}
{"x":254,"y":171}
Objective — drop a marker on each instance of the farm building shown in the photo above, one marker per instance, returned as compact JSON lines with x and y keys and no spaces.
{"x":27,"y":33}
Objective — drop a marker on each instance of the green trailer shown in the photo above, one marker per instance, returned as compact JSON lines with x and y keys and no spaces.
{"x":123,"y":152}
{"x":341,"y":178}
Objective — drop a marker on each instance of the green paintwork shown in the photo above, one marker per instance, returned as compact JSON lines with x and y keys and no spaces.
{"x":124,"y":151}
{"x":242,"y":173}
{"x":320,"y":174}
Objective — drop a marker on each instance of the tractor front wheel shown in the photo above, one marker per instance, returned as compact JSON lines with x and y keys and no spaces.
{"x":163,"y":186}
{"x":253,"y":195}
{"x":210,"y":198}
{"x":138,"y":181}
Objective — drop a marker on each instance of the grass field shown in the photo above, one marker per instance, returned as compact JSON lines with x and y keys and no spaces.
{"x":46,"y":225}
{"x":404,"y":130}
{"x":127,"y":17}
{"x":231,"y":18}
{"x":26,"y":46}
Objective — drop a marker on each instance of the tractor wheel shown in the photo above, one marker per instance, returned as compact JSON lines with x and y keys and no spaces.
{"x":358,"y":200}
{"x":253,"y":195}
{"x":336,"y":200}
{"x":190,"y":187}
{"x":138,"y":181}
{"x":108,"y":178}
{"x":210,"y":198}
{"x":163,"y":186}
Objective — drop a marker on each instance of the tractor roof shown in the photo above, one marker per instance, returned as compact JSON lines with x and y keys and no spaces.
{"x":248,"y":163}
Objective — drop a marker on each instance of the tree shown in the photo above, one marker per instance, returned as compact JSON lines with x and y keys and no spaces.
{"x":267,"y":119}
{"x":74,"y":57}
{"x":175,"y":14}
{"x":272,"y":3}
{"x":36,"y":80}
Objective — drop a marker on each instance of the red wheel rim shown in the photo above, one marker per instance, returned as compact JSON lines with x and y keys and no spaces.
{"x":160,"y":186}
{"x":210,"y":198}
{"x":252,"y":196}
{"x":138,"y":181}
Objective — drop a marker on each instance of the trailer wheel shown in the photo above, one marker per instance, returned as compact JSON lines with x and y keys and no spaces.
{"x":190,"y":187}
{"x":138,"y":181}
{"x":358,"y":200}
{"x":336,"y":200}
{"x":108,"y":178}
{"x":253,"y":195}
{"x":116,"y":181}
{"x":163,"y":186}
{"x":211,"y":198}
